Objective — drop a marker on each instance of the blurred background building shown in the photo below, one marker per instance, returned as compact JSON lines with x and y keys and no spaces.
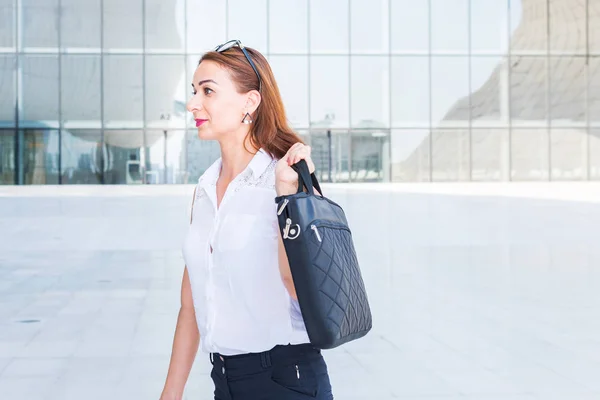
{"x":94,"y":91}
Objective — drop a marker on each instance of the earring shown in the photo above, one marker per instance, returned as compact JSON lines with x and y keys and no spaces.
{"x":247,"y":119}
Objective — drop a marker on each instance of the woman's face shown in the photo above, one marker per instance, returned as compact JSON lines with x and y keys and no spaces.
{"x":217,"y":106}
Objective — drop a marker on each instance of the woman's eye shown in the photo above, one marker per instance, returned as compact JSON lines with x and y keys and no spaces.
{"x":207,"y":91}
{"x":194,"y":92}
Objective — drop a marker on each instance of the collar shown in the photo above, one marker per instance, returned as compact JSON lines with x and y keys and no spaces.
{"x":258,"y":164}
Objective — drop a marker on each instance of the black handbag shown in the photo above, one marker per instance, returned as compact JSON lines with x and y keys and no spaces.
{"x":329,"y":285}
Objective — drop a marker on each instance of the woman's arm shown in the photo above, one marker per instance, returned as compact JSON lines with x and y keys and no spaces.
{"x":185,"y":342}
{"x":284,"y":270}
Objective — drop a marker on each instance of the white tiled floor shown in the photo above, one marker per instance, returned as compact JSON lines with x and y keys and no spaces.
{"x":487,"y":292}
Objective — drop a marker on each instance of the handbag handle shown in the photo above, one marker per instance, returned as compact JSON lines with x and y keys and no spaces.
{"x":306,"y":179}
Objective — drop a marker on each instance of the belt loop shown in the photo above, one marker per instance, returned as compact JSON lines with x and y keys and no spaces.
{"x":265,"y":359}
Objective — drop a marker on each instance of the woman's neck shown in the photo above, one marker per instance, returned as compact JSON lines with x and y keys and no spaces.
{"x":235,"y":158}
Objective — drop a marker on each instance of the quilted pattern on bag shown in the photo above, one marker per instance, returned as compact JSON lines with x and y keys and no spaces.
{"x":339,"y":280}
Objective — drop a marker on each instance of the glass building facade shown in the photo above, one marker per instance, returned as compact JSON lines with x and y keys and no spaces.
{"x":94,"y":91}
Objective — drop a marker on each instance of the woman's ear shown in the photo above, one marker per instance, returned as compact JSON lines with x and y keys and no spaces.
{"x":253,"y":101}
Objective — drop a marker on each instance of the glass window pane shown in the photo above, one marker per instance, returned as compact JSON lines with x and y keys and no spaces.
{"x":291,"y":73}
{"x":594,"y":37}
{"x":40,"y":23}
{"x":529,"y":154}
{"x":166,"y":161}
{"x":165,"y":90}
{"x":7,"y":88}
{"x":200,"y":155}
{"x":40,"y":158}
{"x":370,"y":155}
{"x":450,"y":154}
{"x":123,"y":24}
{"x":7,"y":157}
{"x":568,"y":25}
{"x":568,"y":154}
{"x":40,"y":88}
{"x":370,"y":92}
{"x":450,"y":90}
{"x":80,"y":23}
{"x":206,"y":23}
{"x":369,"y":26}
{"x":80,"y":92}
{"x":329,"y":91}
{"x":567,"y":86}
{"x":594,"y":153}
{"x":7,"y":10}
{"x":123,"y":158}
{"x":410,"y":155}
{"x":489,"y":97}
{"x":489,"y":26}
{"x":529,"y":26}
{"x":329,"y":26}
{"x":248,"y":22}
{"x":82,"y":157}
{"x":288,"y":26}
{"x":490,"y":154}
{"x":164,"y":24}
{"x":410,"y":91}
{"x":450,"y":26}
{"x":410,"y":26}
{"x":528,"y":92}
{"x":123,"y":89}
{"x":330,"y":153}
{"x":594,"y":90}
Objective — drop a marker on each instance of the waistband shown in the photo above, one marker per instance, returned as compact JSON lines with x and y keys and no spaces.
{"x":256,"y":362}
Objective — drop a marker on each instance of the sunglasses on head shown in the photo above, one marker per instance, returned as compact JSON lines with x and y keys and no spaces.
{"x":227,"y":45}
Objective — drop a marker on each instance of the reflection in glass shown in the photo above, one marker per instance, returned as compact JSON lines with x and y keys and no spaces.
{"x":489,"y":97}
{"x":490,"y":154}
{"x":450,"y":26}
{"x":594,"y":151}
{"x":450,"y":90}
{"x":7,"y":37}
{"x":370,"y":155}
{"x":594,"y":91}
{"x":200,"y":155}
{"x":329,"y":91}
{"x":568,"y":153}
{"x":123,"y":89}
{"x":165,"y":155}
{"x":529,"y":27}
{"x":370,"y":91}
{"x":528,"y":92}
{"x":410,"y":91}
{"x":164,"y":24}
{"x":7,"y":88}
{"x":410,"y":155}
{"x":567,"y":28}
{"x":206,"y":24}
{"x":450,"y":154}
{"x":7,"y":157}
{"x":330,"y":153}
{"x":410,"y":26}
{"x":40,"y":88}
{"x":489,"y":26}
{"x":567,"y":90}
{"x":40,"y":157}
{"x":369,"y":26}
{"x":165,"y":91}
{"x":80,"y":23}
{"x":123,"y":161}
{"x":329,"y":26}
{"x":288,"y":26}
{"x":82,"y":157}
{"x":529,"y":154}
{"x":40,"y":23}
{"x":291,"y":74}
{"x":80,"y":93}
{"x":248,"y":21}
{"x":122,"y":22}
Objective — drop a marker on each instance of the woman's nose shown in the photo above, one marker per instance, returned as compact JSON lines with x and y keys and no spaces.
{"x":193,"y":104}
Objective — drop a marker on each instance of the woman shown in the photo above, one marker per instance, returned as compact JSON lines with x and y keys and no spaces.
{"x":237,"y":296}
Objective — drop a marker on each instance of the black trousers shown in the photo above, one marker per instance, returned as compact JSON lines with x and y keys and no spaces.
{"x":292,"y":372}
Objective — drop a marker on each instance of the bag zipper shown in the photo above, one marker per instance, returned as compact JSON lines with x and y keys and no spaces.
{"x":314,"y":228}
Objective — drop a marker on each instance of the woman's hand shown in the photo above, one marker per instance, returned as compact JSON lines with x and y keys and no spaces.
{"x":286,"y":179}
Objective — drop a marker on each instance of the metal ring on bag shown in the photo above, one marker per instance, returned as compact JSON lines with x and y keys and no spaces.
{"x":289,"y":232}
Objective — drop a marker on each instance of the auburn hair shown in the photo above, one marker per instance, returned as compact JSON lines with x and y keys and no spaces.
{"x":270,"y":129}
